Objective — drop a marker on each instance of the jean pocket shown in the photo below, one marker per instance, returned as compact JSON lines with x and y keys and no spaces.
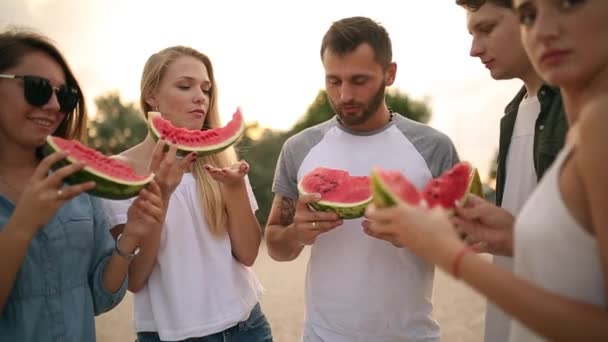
{"x":256,"y":319}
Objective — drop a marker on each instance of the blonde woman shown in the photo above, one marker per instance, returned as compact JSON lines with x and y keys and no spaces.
{"x":192,"y":279}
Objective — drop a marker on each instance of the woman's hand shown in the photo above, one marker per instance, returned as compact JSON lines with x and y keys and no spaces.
{"x":230,"y":175}
{"x":167,"y":168}
{"x":45,"y":193}
{"x":424,"y":231}
{"x":146,"y":213}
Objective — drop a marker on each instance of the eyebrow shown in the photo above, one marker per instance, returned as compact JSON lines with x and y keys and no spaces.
{"x":190,"y":78}
{"x":524,"y":4}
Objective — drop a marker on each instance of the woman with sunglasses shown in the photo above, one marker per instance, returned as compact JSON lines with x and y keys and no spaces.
{"x":59,"y":266}
{"x":192,"y":281}
{"x":560,"y":287}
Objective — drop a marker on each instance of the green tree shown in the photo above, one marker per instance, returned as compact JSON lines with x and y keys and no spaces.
{"x":117,"y":126}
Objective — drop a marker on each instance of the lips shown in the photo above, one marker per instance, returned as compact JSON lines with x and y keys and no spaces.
{"x":198,"y":113}
{"x":43,"y":122}
{"x":553,"y":57}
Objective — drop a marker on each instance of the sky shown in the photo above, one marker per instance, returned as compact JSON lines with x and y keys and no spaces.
{"x":266,"y":54}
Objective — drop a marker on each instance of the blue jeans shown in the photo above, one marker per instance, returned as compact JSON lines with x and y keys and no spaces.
{"x":254,"y":329}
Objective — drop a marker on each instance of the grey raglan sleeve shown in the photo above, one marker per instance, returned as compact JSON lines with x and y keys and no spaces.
{"x":444,"y":155}
{"x":285,"y":181}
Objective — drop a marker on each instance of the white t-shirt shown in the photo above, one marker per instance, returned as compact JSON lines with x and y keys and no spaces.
{"x":520,"y":182}
{"x":358,"y":288}
{"x":553,"y":251}
{"x":197,"y":287}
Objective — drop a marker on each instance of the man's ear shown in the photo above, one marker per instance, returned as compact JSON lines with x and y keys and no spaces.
{"x":391,"y":74}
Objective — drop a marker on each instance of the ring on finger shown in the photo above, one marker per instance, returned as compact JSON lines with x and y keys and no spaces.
{"x":59,"y":193}
{"x":314,"y":225}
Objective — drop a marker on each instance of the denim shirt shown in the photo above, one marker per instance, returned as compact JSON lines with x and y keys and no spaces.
{"x":59,"y":287}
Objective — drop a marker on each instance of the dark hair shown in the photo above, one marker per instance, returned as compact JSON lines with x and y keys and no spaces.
{"x":475,"y":5}
{"x":348,"y":34}
{"x":15,"y":44}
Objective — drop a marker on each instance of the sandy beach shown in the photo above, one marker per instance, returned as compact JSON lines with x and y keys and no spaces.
{"x":457,"y":308}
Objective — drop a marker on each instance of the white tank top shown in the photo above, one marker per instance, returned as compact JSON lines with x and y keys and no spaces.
{"x":553,"y":251}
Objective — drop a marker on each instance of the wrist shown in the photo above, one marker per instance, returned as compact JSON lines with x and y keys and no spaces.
{"x":235,"y":186}
{"x":457,"y":260}
{"x":127,"y":246}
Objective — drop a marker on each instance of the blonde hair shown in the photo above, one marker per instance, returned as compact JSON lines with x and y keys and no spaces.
{"x":209,"y":192}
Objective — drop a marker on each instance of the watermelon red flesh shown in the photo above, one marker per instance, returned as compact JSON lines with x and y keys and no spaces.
{"x":346,"y":195}
{"x":390,"y":187}
{"x":450,"y":187}
{"x":194,"y":140}
{"x":113,"y":179}
{"x":97,"y":161}
{"x":336,"y":186}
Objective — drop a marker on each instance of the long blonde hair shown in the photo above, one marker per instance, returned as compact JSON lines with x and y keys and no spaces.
{"x":209,"y":192}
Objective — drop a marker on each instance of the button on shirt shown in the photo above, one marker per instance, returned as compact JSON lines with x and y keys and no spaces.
{"x":59,"y":286}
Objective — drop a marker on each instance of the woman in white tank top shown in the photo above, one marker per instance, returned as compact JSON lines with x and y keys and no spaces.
{"x":558,"y":291}
{"x":192,"y":279}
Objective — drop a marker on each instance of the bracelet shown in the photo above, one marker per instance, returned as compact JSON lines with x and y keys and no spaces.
{"x":127,"y":256}
{"x":457,"y":260}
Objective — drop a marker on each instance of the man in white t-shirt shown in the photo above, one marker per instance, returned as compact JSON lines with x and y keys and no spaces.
{"x":358,"y":288}
{"x":531,"y":132}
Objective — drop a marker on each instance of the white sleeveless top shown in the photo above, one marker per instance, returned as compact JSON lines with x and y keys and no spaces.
{"x":553,"y":251}
{"x":197,"y":287}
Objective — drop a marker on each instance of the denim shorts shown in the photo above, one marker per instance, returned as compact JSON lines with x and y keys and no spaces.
{"x":254,"y":329}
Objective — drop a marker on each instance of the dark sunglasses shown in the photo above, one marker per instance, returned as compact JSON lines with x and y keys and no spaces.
{"x":38,"y":91}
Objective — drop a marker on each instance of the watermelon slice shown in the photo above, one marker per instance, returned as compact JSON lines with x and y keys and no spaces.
{"x":203,"y":142}
{"x":114,"y":179}
{"x":391,"y":187}
{"x":346,"y":195}
{"x":453,"y":186}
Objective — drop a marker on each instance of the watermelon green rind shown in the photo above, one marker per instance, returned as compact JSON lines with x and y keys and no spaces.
{"x":475,"y":185}
{"x":105,"y":185}
{"x":183,"y":150}
{"x":381,"y":194}
{"x":346,"y":211}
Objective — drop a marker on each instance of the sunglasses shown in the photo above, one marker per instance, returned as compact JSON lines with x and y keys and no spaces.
{"x":38,"y":91}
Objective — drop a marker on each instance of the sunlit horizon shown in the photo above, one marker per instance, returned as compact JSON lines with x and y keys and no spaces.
{"x":266,"y":55}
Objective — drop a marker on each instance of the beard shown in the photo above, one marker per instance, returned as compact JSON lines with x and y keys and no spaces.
{"x":366,"y":111}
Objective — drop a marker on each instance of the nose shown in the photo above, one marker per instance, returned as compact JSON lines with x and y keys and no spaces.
{"x":53,"y":103}
{"x":477,"y":48}
{"x":546,"y":27}
{"x":346,"y":93}
{"x":200,"y":97}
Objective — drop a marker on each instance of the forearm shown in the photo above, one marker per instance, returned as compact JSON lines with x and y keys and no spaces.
{"x":282,"y":243}
{"x":118,"y":266}
{"x":14,"y":243}
{"x":243,"y":227}
{"x":143,"y":264}
{"x":549,"y":315}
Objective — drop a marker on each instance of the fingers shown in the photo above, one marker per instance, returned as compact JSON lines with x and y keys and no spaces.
{"x":45,"y":165}
{"x":146,"y":209}
{"x":152,"y":196}
{"x":374,"y":213}
{"x":243,"y":167}
{"x":167,"y":161}
{"x":378,"y":231}
{"x":470,"y":212}
{"x":473,"y":200}
{"x":56,"y":179}
{"x":321,"y":226}
{"x":69,"y":192}
{"x":306,"y":199}
{"x":157,"y":155}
